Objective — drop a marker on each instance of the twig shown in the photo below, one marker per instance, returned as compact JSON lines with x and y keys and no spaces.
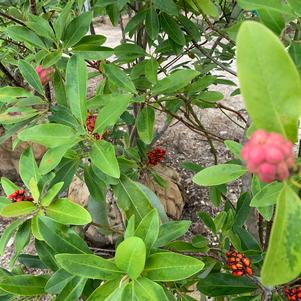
{"x":33,"y":7}
{"x":11,"y":78}
{"x":12,"y":19}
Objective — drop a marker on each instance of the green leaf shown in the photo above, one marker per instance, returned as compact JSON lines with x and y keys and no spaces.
{"x":59,"y":89}
{"x":129,"y":52}
{"x":135,"y":21}
{"x":190,"y":27}
{"x":60,"y":238}
{"x":267,"y":196}
{"x":13,"y":92}
{"x":73,"y":290}
{"x":77,"y":28}
{"x":40,"y":26}
{"x":52,"y":58}
{"x":46,"y":255}
{"x":35,"y":228}
{"x":207,"y":7}
{"x":130,"y":256}
{"x":295,"y":5}
{"x":272,"y":19}
{"x":283,"y":259}
{"x":7,"y":233}
{"x":95,"y":39}
{"x":145,"y":124}
{"x":207,"y":220}
{"x":92,"y":52}
{"x":151,"y":70}
{"x":34,"y":189}
{"x":132,"y":199}
{"x":60,"y":22}
{"x":104,"y":290}
{"x":175,"y":82}
{"x":23,"y":285}
{"x":234,"y":147}
{"x":148,"y":229}
{"x":18,"y":209}
{"x":219,"y":174}
{"x":172,"y":230}
{"x":111,"y":112}
{"x":76,"y":87}
{"x":51,"y":194}
{"x":8,"y":186}
{"x":28,"y":168}
{"x":58,"y":281}
{"x":152,"y":24}
{"x":273,"y":104}
{"x":22,"y":34}
{"x":66,"y":212}
{"x":168,"y":266}
{"x":172,"y":29}
{"x":211,"y":96}
{"x":119,"y":78}
{"x":145,"y":289}
{"x":104,"y":157}
{"x":88,"y":266}
{"x":218,"y":284}
{"x":31,"y":76}
{"x":52,"y":158}
{"x":50,"y":134}
{"x":167,"y":6}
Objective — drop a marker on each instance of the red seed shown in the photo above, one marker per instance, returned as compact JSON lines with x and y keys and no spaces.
{"x":249,"y":271}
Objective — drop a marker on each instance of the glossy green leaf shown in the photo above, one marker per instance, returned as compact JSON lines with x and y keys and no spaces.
{"x":61,"y":21}
{"x":18,"y":209}
{"x":23,"y":34}
{"x":7,"y":233}
{"x":119,"y":78}
{"x":130,"y":256}
{"x":111,"y":112}
{"x":168,"y":266}
{"x":175,"y":82}
{"x":104,"y":290}
{"x":283,"y":259}
{"x":88,"y":266}
{"x":23,"y":285}
{"x":59,"y":89}
{"x":35,"y":228}
{"x":267,"y":196}
{"x":145,"y":124}
{"x":40,"y":26}
{"x":172,"y":29}
{"x":146,"y":289}
{"x":272,"y":19}
{"x":104,"y":157}
{"x":60,"y":238}
{"x":51,"y":194}
{"x":13,"y":92}
{"x":31,"y":76}
{"x":152,"y":24}
{"x":207,"y":7}
{"x":58,"y":281}
{"x":76,"y":86}
{"x":52,"y":58}
{"x":295,"y":5}
{"x":132,"y":199}
{"x":151,"y":70}
{"x":274,"y":98}
{"x":219,"y":174}
{"x":167,"y":6}
{"x":67,"y":212}
{"x":129,"y":52}
{"x":8,"y":186}
{"x":77,"y":28}
{"x":148,"y":229}
{"x":218,"y":284}
{"x":73,"y":290}
{"x":92,"y":52}
{"x":46,"y":255}
{"x":171,"y":231}
{"x":50,"y":134}
{"x":28,"y":168}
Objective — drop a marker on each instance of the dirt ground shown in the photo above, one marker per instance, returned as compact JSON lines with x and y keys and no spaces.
{"x":182,"y":145}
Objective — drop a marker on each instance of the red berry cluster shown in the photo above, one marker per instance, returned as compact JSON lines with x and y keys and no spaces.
{"x":19,"y":196}
{"x":155,"y":156}
{"x":293,"y":293}
{"x":238,"y":263}
{"x":90,"y":124}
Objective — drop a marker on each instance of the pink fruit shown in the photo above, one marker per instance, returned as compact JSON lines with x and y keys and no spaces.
{"x":269,"y":155}
{"x":44,"y":74}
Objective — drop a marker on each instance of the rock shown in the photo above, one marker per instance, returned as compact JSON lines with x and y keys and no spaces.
{"x":170,"y":195}
{"x":9,"y":159}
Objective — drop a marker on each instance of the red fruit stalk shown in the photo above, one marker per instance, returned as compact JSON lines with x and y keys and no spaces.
{"x":44,"y":74}
{"x":90,"y":124}
{"x":155,"y":156}
{"x":269,"y":155}
{"x":238,"y":263}
{"x":19,"y":196}
{"x":293,"y":294}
